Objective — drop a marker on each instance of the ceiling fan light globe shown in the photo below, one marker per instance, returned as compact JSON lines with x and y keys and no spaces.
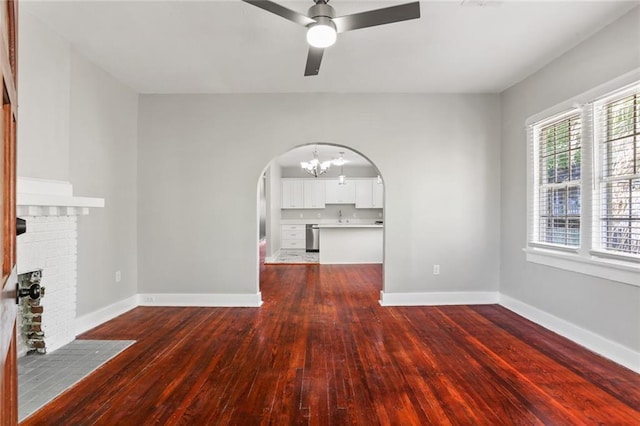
{"x":321,"y":35}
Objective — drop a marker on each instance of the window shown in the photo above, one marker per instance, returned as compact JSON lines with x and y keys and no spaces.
{"x":558,"y":176}
{"x":584,"y":186}
{"x":618,"y":140}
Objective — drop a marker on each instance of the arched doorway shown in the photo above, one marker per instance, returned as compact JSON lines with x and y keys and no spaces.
{"x":346,"y":201}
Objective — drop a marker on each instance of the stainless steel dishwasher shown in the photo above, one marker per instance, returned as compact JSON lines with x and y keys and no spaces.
{"x":312,"y":237}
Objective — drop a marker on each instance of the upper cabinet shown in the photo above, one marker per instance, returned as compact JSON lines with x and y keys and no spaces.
{"x":303,"y":194}
{"x":369,"y":194}
{"x":314,"y":194}
{"x":378,"y":194}
{"x":292,"y":194}
{"x":340,"y":194}
{"x":365,"y":193}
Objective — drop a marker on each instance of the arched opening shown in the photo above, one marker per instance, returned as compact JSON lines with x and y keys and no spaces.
{"x":333,"y":214}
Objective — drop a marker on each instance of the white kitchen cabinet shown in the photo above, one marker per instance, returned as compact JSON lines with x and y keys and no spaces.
{"x":314,"y":194}
{"x":340,"y":194}
{"x":292,"y":194}
{"x":343,"y":244}
{"x":378,"y":194}
{"x":292,"y":236}
{"x":364,"y":194}
{"x":369,"y":194}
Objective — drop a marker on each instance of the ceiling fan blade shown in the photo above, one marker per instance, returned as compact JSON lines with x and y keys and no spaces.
{"x":282,"y":11}
{"x":371,"y":18}
{"x":313,"y":61}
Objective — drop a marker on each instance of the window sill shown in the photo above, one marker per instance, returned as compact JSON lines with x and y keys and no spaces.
{"x":610,"y":269}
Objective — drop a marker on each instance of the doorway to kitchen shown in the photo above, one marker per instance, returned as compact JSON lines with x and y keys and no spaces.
{"x":319,"y":205}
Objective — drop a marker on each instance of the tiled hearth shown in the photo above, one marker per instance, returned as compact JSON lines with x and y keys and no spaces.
{"x":42,"y":378}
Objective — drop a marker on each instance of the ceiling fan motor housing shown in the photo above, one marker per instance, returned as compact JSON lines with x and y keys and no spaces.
{"x":322,"y":13}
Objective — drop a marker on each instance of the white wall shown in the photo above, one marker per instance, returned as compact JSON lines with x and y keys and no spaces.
{"x":76,"y":123}
{"x":201,"y":156}
{"x":43,"y":82}
{"x":607,"y":308}
{"x":103,"y":163}
{"x":274,"y":201}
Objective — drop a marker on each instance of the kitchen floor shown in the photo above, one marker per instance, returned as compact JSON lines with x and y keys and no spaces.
{"x":295,"y":256}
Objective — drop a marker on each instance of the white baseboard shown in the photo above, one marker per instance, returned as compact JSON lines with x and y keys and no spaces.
{"x":203,"y":300}
{"x":596,"y":343}
{"x":439,"y":298}
{"x":88,"y":321}
{"x":91,"y":320}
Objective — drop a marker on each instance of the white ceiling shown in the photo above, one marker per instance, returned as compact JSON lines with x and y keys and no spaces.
{"x":182,"y":46}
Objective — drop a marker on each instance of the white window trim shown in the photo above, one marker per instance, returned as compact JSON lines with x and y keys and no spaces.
{"x":585,"y":259}
{"x":597,"y":105}
{"x":602,"y":267}
{"x":533,"y":147}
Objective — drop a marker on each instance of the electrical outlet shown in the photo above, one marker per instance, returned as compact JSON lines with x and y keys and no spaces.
{"x":148,"y":299}
{"x":436,"y":269}
{"x":301,"y":215}
{"x":355,"y":214}
{"x":118,"y":276}
{"x":319,"y":214}
{"x":380,"y":214}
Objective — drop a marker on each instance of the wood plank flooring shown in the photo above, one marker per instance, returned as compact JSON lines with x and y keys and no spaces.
{"x":322,"y":351}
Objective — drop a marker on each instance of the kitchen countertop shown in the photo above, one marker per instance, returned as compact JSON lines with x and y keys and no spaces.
{"x":323,"y":221}
{"x":350,"y":225}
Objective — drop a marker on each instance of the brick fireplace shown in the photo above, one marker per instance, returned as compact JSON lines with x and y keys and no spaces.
{"x":50,"y":244}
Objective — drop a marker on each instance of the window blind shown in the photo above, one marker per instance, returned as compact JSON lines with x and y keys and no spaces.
{"x":617,"y":121}
{"x":557,"y":196}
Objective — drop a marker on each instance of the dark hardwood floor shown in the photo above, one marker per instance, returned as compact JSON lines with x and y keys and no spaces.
{"x":322,"y":351}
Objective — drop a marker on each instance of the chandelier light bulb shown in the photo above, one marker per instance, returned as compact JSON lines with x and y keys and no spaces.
{"x":321,"y":35}
{"x":314,"y":167}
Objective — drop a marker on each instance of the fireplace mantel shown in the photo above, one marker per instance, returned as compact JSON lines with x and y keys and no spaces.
{"x":43,"y":194}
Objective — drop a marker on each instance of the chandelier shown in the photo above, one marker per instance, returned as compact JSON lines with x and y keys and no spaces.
{"x":342,"y":179}
{"x":314,"y":167}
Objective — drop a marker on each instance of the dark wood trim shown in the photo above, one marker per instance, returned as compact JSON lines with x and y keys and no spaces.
{"x":8,"y":53}
{"x":9,"y":193}
{"x":321,"y":350}
{"x":8,"y":66}
{"x":9,"y":386}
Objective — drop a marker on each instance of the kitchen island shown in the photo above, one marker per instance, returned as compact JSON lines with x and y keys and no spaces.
{"x":345,"y":243}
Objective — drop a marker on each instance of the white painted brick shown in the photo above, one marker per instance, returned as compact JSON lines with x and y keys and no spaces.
{"x":50,"y":243}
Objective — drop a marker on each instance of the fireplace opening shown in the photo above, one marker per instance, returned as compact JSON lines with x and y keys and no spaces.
{"x":30,"y":293}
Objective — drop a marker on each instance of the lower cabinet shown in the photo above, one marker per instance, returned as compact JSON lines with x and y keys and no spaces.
{"x":292,"y":237}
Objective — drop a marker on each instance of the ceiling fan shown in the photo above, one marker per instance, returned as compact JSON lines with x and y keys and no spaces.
{"x":322,"y":24}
